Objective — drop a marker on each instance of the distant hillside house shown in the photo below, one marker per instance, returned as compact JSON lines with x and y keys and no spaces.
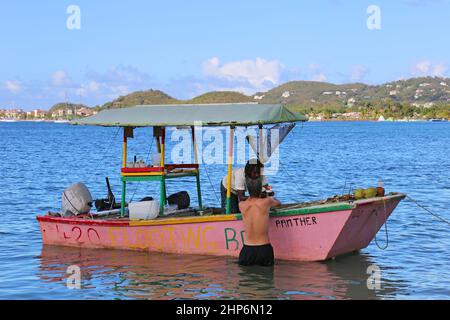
{"x":38,"y":113}
{"x":14,"y":113}
{"x":286,"y":94}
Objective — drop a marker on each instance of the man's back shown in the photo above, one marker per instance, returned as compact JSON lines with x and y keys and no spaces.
{"x":255,"y":214}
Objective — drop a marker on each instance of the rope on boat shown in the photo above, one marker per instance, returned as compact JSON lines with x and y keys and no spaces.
{"x":385,"y":228}
{"x":290,"y":176}
{"x":427,"y":210}
{"x":212,"y":186}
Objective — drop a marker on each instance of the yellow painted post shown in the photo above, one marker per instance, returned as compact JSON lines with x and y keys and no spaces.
{"x":230,"y":170}
{"x":124,"y":165}
{"x":162,"y":197}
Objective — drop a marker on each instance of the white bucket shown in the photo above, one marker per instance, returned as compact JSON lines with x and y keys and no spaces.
{"x":144,"y":210}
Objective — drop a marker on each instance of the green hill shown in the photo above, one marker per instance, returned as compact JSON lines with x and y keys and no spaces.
{"x":309,"y":92}
{"x":221,"y":97}
{"x":428,"y":96}
{"x":419,"y":91}
{"x":139,"y":98}
{"x":159,"y":97}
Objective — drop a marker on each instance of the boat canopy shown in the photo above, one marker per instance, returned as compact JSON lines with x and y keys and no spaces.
{"x":232,"y":114}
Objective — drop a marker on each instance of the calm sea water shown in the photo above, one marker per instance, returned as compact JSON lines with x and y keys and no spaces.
{"x":39,"y":160}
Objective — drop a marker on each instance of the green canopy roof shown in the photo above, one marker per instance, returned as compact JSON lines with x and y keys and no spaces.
{"x":239,"y":114}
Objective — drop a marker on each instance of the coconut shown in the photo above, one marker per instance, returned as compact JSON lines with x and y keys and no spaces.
{"x":359,"y":194}
{"x":370,"y":192}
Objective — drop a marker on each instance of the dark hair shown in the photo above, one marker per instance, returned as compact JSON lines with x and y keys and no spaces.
{"x":254,"y":187}
{"x":252,"y":166}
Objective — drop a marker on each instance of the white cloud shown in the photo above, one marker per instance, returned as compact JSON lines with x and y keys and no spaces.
{"x":427,"y":68}
{"x":13,"y":86}
{"x":60,"y":78}
{"x":256,"y":73}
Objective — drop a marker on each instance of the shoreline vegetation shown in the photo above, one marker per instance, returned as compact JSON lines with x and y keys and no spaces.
{"x":415,"y":99}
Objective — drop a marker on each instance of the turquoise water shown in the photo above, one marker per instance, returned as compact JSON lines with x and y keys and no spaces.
{"x":39,"y":160}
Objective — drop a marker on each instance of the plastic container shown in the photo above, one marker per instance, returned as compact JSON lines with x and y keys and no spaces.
{"x":144,"y":210}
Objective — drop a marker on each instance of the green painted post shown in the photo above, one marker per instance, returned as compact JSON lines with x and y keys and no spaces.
{"x":122,"y":202}
{"x":199,"y":191}
{"x":162,"y":196}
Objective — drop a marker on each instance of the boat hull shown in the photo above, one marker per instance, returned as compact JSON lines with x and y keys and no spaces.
{"x":304,"y":234}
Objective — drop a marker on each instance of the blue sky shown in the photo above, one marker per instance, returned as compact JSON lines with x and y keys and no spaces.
{"x":186,"y":48}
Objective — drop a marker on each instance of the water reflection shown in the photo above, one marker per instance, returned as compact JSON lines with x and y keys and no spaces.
{"x":113,"y":274}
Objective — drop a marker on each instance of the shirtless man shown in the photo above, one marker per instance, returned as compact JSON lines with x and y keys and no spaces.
{"x":257,"y":249}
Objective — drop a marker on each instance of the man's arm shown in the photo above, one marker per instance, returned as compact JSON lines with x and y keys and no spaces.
{"x":241,"y":195}
{"x":274,"y":202}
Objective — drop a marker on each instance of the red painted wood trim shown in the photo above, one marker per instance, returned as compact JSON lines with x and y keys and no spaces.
{"x":139,"y":170}
{"x":183,"y":166}
{"x":78,"y":221}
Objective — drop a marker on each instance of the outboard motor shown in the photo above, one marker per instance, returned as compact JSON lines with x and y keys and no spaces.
{"x":76,"y":200}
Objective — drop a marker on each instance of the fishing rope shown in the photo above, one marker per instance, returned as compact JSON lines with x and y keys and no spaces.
{"x":427,"y":210}
{"x":385,"y":228}
{"x":212,"y":186}
{"x":290,"y":176}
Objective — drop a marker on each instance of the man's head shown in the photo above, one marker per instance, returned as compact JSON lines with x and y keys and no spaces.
{"x":253,"y":168}
{"x":254,"y":187}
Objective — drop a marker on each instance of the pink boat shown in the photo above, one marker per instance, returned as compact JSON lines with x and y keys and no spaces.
{"x":312,"y":231}
{"x":303,"y":233}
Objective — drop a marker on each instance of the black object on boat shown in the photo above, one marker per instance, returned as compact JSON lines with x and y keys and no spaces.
{"x":181,"y":199}
{"x":109,"y":203}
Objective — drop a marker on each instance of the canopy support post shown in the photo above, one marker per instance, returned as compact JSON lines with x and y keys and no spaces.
{"x":260,"y":145}
{"x":199,"y":191}
{"x":163,"y":196}
{"x":124,"y":165}
{"x":230,"y":170}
